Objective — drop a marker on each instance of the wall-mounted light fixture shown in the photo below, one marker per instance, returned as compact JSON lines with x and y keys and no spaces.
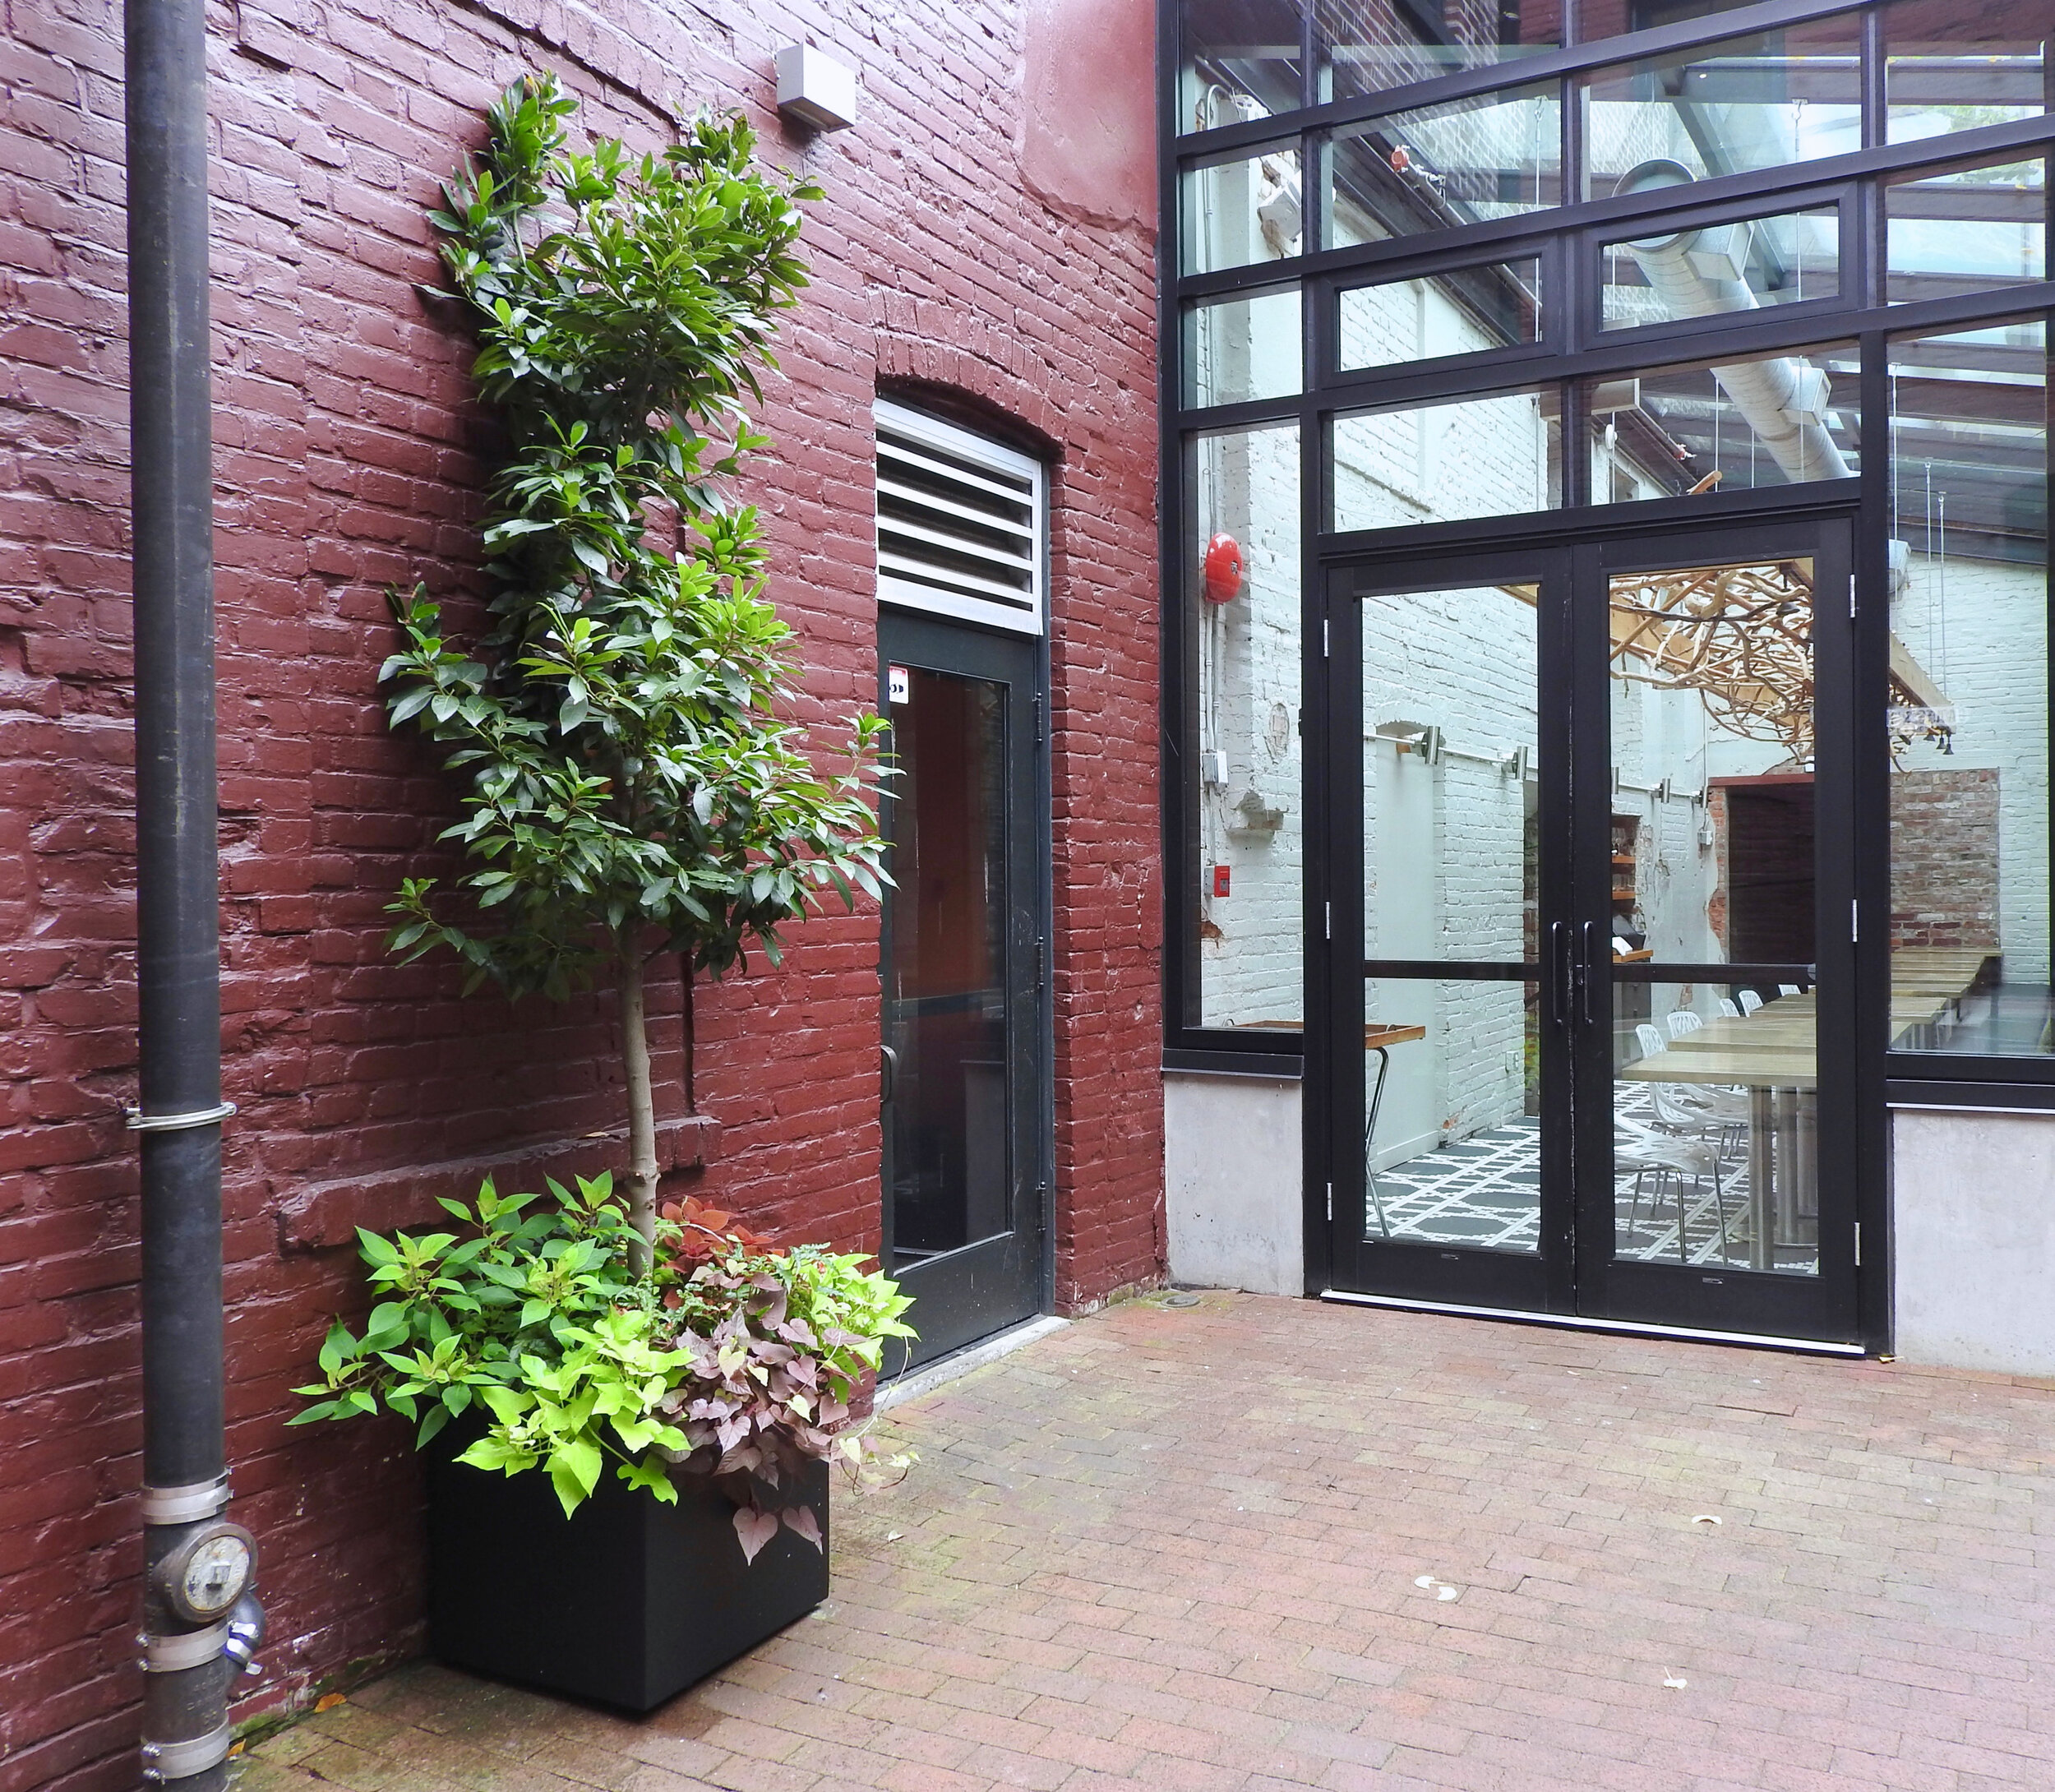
{"x":815,"y":90}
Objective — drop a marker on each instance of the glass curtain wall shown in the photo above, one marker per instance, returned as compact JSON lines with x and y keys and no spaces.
{"x":1445,"y":269}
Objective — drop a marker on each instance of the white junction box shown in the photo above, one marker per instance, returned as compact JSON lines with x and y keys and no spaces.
{"x":815,"y":89}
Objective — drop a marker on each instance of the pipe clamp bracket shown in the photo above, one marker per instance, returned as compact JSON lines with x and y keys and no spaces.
{"x":181,"y":1760}
{"x":137,"y":1121}
{"x":184,"y":1505}
{"x":187,"y":1649}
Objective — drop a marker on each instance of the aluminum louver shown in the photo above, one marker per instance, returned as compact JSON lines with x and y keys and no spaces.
{"x":959,"y":524}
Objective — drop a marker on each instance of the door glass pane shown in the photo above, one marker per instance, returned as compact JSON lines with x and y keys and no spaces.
{"x":1450,"y":871}
{"x":945,"y":1008}
{"x":1712,"y":864}
{"x":1495,"y":305}
{"x":1970,"y":692}
{"x":1950,"y":67}
{"x":1771,"y":99}
{"x":1245,"y":964}
{"x":1718,"y":269}
{"x":1497,"y":155}
{"x":1453,"y":1095}
{"x":1736,"y":422}
{"x":1974,"y":227}
{"x":1715,"y":1125}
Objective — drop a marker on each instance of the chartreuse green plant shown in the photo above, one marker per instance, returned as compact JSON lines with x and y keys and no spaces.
{"x":730,"y":1359}
{"x":631,"y":786}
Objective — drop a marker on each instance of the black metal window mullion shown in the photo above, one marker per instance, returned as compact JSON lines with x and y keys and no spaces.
{"x":2031,"y":136}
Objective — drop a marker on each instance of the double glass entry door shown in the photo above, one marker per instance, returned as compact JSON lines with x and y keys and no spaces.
{"x":1591,"y":1001}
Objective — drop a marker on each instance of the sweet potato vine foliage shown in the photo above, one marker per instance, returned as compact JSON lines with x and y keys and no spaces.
{"x":630,"y":788}
{"x":730,"y":1359}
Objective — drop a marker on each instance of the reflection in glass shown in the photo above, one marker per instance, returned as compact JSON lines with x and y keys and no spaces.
{"x":1950,"y":67}
{"x":946,"y":977}
{"x":1493,"y":456}
{"x":1242,"y":61}
{"x":1366,"y":46}
{"x":1714,"y":847}
{"x":1719,"y":269}
{"x":1974,"y":227}
{"x":1715,"y":1126}
{"x":1495,"y":156}
{"x":1497,"y":305}
{"x":1448,"y":775}
{"x":1243,"y":608}
{"x":1746,"y":421}
{"x":1451,"y":858}
{"x":1242,"y":211}
{"x":1969,"y":722}
{"x":1242,"y":348}
{"x":1453,"y":1098}
{"x":1767,"y":100}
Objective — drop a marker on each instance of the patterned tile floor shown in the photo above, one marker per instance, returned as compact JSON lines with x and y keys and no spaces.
{"x":1486,"y":1191}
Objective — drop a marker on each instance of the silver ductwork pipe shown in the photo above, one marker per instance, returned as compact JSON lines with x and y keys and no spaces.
{"x":1703,"y":274}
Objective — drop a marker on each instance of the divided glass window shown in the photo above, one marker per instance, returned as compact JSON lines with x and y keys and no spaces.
{"x":1970,"y":794}
{"x":1500,"y":221}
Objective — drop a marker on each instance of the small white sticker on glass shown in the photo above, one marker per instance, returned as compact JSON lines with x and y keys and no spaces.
{"x":899,"y":685}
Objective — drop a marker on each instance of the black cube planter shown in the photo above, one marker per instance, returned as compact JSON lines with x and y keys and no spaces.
{"x":626,"y":1603}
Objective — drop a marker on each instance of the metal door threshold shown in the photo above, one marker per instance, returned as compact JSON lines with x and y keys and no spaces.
{"x":1568,"y":1321}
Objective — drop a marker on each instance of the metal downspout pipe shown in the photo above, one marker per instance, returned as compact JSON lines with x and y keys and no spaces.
{"x":195,"y":1603}
{"x":1702,"y":272}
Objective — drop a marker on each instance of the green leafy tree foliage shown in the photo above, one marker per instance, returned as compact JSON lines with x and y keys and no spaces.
{"x":631,"y":786}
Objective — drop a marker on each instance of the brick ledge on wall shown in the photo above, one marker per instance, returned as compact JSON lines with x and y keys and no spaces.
{"x":323,"y":1215}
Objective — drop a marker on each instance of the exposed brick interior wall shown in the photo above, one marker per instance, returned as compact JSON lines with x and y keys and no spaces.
{"x":347,"y":457}
{"x":1944,"y":857}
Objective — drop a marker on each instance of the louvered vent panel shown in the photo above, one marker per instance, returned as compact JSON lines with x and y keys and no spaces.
{"x":959,"y":524}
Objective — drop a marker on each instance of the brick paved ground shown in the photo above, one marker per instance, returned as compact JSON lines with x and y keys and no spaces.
{"x":1181,"y":1550}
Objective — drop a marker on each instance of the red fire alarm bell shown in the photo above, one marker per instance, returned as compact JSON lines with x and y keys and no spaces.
{"x":1223,"y":570}
{"x":1222,"y":874}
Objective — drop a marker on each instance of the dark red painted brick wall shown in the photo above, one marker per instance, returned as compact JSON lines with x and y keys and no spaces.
{"x":346,"y":459}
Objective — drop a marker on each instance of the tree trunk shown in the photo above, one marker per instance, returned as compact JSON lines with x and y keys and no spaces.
{"x":691,"y":1031}
{"x":642,"y":1110}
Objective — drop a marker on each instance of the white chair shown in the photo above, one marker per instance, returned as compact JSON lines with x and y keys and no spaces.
{"x":1652,"y":1040}
{"x":1787,"y":989}
{"x":1682,"y":1021}
{"x":1728,"y":1009}
{"x":1750,"y":1002}
{"x":1669,"y":1159}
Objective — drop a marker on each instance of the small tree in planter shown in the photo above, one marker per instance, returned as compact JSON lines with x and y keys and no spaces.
{"x":632,"y":791}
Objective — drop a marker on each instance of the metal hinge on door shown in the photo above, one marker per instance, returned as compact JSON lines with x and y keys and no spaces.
{"x":1858,"y":1243}
{"x":1042,"y":960}
{"x":1330,"y":1203}
{"x":1851,"y":597}
{"x":1037,"y":718}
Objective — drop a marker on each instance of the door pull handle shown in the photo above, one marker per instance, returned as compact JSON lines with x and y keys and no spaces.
{"x":888,"y":1074}
{"x":1586,"y":971}
{"x":1559,"y":972}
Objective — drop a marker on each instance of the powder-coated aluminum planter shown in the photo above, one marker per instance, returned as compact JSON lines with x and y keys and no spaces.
{"x":626,"y":1604}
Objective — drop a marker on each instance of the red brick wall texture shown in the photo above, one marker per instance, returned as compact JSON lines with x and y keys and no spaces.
{"x":974,"y":248}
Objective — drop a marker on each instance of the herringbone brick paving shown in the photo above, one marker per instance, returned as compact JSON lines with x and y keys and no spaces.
{"x":1181,"y":1549}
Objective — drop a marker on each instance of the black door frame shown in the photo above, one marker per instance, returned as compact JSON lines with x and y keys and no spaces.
{"x":1575,"y":1276}
{"x":1012,"y":1273}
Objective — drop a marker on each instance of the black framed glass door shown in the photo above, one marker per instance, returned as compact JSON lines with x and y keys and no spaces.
{"x":1588,"y":811}
{"x":962,"y":964}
